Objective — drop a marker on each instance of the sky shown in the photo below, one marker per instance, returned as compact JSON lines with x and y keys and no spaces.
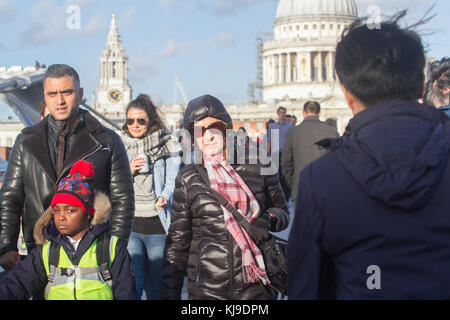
{"x":210,"y":44}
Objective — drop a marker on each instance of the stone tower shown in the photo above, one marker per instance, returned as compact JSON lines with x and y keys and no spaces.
{"x":114,"y":92}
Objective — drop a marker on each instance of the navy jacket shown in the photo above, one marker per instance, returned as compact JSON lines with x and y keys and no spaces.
{"x":28,"y":278}
{"x":373,"y":216}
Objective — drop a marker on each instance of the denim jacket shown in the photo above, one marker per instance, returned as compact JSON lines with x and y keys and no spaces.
{"x":165,"y":171}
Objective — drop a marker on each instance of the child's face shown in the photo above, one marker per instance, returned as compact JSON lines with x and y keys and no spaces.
{"x":70,"y":220}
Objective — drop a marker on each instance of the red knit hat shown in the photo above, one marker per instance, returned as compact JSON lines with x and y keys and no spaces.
{"x":75,"y":188}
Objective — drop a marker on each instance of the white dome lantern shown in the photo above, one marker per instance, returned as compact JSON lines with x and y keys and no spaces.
{"x":298,"y":8}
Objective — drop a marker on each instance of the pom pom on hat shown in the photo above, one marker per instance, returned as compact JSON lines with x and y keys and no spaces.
{"x":86,"y":169}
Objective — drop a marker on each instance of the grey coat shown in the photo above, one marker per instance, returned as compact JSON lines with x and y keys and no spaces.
{"x":300,"y":149}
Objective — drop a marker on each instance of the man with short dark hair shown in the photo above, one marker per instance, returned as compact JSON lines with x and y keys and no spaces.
{"x":300,"y":147}
{"x":44,"y":153}
{"x":372,"y":220}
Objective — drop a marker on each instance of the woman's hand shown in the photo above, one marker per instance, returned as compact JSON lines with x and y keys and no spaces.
{"x":161,"y":203}
{"x":136,"y":165}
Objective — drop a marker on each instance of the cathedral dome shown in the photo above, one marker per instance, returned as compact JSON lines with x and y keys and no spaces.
{"x":293,"y":8}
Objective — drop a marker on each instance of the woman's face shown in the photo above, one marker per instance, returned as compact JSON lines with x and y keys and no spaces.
{"x":137,"y":122}
{"x":210,"y":136}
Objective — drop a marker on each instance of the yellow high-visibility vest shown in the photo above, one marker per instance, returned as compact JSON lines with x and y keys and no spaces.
{"x":81,"y":282}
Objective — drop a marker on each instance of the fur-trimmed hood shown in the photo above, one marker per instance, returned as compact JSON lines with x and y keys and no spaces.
{"x":102,"y":206}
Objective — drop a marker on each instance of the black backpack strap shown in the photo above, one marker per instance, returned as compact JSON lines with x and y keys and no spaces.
{"x":53,"y":261}
{"x":104,"y":256}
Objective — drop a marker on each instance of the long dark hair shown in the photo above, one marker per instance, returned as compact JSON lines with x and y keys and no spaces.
{"x":144,"y":102}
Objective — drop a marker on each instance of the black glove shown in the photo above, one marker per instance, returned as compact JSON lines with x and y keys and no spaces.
{"x":260,"y":227}
{"x":278,"y":220}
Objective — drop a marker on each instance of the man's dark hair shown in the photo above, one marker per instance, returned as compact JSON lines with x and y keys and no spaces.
{"x":281,"y":108}
{"x":311,"y":107}
{"x":381,"y":64}
{"x":60,"y":71}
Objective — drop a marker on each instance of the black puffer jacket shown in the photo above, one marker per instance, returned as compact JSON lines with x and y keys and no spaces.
{"x":199,"y":243}
{"x":31,"y":178}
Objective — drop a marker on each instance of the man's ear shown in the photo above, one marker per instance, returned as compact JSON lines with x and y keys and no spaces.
{"x":353,"y":102}
{"x":421,"y":90}
{"x":81,"y":95}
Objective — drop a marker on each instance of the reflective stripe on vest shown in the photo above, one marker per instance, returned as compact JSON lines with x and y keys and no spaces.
{"x":81,"y":282}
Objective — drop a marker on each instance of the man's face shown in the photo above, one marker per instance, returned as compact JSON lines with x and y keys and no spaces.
{"x":62,"y":96}
{"x":70,"y":220}
{"x":282,"y":114}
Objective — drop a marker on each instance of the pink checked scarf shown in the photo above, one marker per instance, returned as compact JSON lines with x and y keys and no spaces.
{"x":230,"y":185}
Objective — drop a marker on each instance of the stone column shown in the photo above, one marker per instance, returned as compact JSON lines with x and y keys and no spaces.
{"x":330,"y":67}
{"x":299,"y":73}
{"x":288,"y":68}
{"x":308,"y":66}
{"x":274,"y":70}
{"x":280,"y":68}
{"x":320,"y":66}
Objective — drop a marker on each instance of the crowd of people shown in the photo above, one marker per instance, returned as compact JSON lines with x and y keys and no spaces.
{"x":113,"y":217}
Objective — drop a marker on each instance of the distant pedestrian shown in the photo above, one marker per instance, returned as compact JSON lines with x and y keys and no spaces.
{"x":331,"y":122}
{"x":437,"y":89}
{"x":65,"y":265}
{"x":154,"y":163}
{"x":205,"y":242}
{"x":293,"y":120}
{"x":275,"y":147}
{"x":300,"y":147}
{"x":371,"y":220}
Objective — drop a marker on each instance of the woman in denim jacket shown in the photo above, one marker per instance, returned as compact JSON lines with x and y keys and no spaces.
{"x":154,"y":162}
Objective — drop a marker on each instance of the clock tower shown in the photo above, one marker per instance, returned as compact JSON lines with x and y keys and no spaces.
{"x":114,"y":92}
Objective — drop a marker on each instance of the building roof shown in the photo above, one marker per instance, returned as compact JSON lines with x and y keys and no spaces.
{"x":299,"y":8}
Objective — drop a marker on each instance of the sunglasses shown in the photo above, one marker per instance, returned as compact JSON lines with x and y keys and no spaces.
{"x":220,"y":126}
{"x":141,"y":122}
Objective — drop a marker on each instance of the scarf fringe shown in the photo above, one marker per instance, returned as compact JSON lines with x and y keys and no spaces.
{"x":253,"y":273}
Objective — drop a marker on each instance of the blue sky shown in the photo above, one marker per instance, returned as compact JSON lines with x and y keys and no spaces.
{"x":209,"y":43}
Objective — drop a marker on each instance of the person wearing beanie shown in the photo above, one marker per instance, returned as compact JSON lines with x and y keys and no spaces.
{"x":205,"y":242}
{"x":73,"y":227}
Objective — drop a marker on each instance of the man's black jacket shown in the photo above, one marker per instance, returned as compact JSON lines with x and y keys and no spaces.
{"x":31,"y":178}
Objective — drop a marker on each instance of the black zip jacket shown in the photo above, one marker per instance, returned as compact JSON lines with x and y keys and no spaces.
{"x":31,"y":178}
{"x":200,"y":245}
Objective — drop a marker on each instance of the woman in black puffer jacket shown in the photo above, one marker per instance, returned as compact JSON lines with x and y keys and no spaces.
{"x":204,"y":242}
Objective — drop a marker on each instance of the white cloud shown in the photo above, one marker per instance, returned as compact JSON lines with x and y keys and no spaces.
{"x":174,"y":49}
{"x":222,"y":40}
{"x":227,"y":7}
{"x":216,"y":7}
{"x":389,"y":7}
{"x":48,"y":23}
{"x":7,"y":11}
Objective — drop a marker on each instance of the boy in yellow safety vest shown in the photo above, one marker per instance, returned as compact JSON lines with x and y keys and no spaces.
{"x":76,"y":257}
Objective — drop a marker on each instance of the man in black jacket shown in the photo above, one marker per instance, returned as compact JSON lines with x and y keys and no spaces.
{"x":43,"y":154}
